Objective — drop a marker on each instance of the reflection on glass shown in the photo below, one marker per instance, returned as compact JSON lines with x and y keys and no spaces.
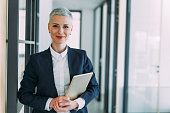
{"x":74,"y":40}
{"x":143,"y":91}
{"x":21,"y":67}
{"x":22,"y":19}
{"x":21,"y":62}
{"x":20,"y":108}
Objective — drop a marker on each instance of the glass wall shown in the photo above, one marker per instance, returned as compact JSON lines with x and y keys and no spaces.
{"x":164,"y":81}
{"x":100,"y":46}
{"x":149,"y":86}
{"x":121,"y":56}
{"x":28,"y":40}
{"x":21,"y":68}
{"x":114,"y":7}
{"x":21,"y":47}
{"x":96,"y":59}
{"x":99,"y":55}
{"x":22,"y":19}
{"x":97,"y":42}
{"x":144,"y":56}
{"x":103,"y":51}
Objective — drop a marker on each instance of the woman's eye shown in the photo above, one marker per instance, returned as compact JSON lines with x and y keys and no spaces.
{"x":55,"y":25}
{"x":66,"y":27}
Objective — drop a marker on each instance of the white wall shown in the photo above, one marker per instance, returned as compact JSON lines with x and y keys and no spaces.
{"x":164,"y":56}
{"x":44,"y":37}
{"x":3,"y":24}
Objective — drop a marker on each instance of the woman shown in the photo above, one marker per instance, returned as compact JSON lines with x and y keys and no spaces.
{"x":50,"y":72}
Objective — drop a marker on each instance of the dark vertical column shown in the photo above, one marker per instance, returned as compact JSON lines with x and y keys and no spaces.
{"x":28,"y":19}
{"x":126,"y":68}
{"x":107,"y":55}
{"x":28,"y":28}
{"x":33,"y":25}
{"x":12,"y":63}
{"x":80,"y":28}
{"x":37,"y":26}
{"x":94,"y":38}
{"x":100,"y":53}
{"x":115,"y":50}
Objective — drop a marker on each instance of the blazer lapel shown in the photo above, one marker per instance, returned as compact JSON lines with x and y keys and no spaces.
{"x":70,"y":62}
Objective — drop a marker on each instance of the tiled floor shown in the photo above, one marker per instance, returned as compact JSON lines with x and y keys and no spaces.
{"x":95,"y":107}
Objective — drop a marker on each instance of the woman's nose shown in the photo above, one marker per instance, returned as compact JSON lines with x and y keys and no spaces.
{"x":60,"y":31}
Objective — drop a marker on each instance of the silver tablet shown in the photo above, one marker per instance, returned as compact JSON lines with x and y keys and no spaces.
{"x":78,"y":85}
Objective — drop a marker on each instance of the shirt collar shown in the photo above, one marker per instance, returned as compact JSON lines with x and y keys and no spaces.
{"x":56,"y":55}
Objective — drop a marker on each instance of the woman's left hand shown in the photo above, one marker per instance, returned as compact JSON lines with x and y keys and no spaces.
{"x":65,"y":105}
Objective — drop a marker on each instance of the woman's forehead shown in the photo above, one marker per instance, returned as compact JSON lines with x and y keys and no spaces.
{"x":61,"y":19}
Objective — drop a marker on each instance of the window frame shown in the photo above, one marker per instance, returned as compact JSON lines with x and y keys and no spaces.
{"x":31,"y":46}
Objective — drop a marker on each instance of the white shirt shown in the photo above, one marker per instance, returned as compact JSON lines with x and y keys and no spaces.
{"x":61,"y":76}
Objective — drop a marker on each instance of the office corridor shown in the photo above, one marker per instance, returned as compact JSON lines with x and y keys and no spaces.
{"x":127,"y":42}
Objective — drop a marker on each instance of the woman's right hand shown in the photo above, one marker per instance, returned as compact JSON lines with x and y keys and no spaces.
{"x":56,"y":101}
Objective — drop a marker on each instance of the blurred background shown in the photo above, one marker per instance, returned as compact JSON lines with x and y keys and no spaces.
{"x":128,"y":42}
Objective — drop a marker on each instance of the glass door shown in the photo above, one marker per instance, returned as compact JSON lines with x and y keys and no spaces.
{"x":164,"y":103}
{"x":144,"y":59}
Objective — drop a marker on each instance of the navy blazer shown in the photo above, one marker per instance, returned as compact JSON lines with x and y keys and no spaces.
{"x":39,"y":74}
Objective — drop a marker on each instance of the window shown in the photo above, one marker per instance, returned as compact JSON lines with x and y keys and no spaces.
{"x":22,"y":42}
{"x":75,"y":40}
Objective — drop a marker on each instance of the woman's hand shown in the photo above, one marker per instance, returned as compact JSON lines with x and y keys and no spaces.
{"x":63,"y":104}
{"x":68,"y":105}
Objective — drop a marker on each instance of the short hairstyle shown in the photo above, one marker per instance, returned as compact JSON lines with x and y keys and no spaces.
{"x":60,"y":12}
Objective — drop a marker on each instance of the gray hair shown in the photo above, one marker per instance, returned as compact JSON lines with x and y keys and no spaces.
{"x":60,"y":12}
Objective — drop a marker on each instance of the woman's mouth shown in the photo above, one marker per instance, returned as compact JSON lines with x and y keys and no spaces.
{"x":60,"y":37}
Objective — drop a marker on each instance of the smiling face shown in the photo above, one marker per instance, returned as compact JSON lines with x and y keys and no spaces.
{"x":60,"y":28}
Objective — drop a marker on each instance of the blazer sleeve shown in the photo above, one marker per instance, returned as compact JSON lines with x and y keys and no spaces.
{"x":26,"y":93}
{"x":92,"y":88}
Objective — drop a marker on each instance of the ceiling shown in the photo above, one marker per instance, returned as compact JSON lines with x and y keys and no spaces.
{"x":77,"y":4}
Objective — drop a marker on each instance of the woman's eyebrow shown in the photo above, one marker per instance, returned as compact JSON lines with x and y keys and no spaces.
{"x":54,"y":23}
{"x":58,"y":24}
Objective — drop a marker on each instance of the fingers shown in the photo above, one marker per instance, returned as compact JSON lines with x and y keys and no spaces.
{"x":56,"y":105}
{"x":63,"y":98}
{"x":68,"y":105}
{"x":62,"y":109}
{"x":64,"y":103}
{"x":61,"y":104}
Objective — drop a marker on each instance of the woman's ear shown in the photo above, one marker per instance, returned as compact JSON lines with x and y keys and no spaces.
{"x":72,"y":28}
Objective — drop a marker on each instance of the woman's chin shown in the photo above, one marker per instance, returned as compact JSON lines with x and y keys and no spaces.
{"x":59,"y":43}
